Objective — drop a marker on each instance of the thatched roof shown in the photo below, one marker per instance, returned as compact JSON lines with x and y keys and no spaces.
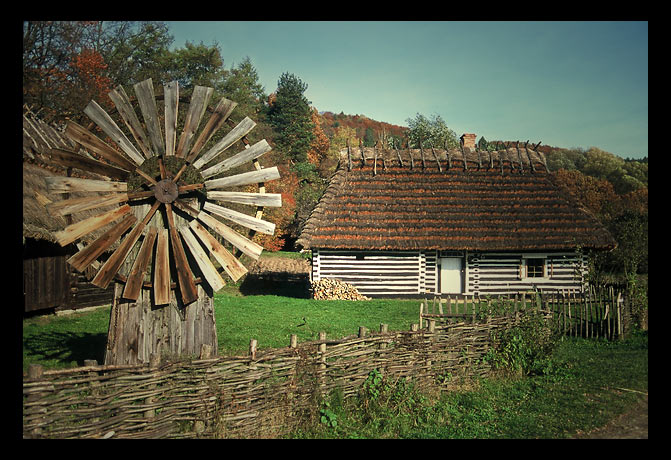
{"x":433,"y":199}
{"x":38,"y":139}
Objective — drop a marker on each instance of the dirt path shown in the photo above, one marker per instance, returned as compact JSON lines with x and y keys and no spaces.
{"x":631,"y":425}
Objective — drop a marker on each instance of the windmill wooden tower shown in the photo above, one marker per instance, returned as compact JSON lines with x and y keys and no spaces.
{"x":171,"y":208}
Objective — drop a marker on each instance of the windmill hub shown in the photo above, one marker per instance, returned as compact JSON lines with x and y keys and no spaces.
{"x":166,"y":191}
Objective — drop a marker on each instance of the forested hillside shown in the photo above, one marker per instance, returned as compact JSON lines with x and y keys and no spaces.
{"x":66,"y":64}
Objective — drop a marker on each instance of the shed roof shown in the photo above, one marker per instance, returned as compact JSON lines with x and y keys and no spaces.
{"x":449,"y":200}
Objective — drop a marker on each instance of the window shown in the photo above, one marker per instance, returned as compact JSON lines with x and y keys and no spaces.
{"x":535,"y":268}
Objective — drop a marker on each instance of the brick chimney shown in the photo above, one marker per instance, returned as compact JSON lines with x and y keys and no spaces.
{"x":468,"y":140}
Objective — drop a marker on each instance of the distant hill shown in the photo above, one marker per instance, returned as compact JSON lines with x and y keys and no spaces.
{"x":330,"y":121}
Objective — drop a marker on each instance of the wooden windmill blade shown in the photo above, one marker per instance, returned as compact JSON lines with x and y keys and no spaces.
{"x":163,"y":170}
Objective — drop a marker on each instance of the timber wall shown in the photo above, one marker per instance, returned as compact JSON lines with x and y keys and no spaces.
{"x":412,"y":273}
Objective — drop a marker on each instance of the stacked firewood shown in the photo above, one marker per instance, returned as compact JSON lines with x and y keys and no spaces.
{"x":333,"y":289}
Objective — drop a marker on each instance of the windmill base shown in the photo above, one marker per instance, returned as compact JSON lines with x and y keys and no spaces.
{"x":139,"y":329}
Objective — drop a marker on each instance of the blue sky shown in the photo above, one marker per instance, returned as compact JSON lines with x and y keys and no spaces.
{"x":567,"y":84}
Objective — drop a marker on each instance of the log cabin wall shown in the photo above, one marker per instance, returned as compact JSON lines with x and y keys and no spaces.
{"x":412,"y":273}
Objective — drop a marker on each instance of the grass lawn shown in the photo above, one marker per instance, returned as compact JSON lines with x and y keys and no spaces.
{"x":66,"y":341}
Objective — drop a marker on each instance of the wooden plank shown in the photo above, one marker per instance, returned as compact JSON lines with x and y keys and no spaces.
{"x":171,"y":99}
{"x":60,"y":184}
{"x":162,"y":269}
{"x":204,"y":263}
{"x":252,"y":177}
{"x":90,"y":253}
{"x":91,"y":142}
{"x":112,"y":265}
{"x":237,"y":133}
{"x":147,"y":102}
{"x":109,"y":127}
{"x":252,"y":199}
{"x":71,"y":159}
{"x":72,"y":232}
{"x":252,"y":153}
{"x":128,"y":115}
{"x":244,"y":244}
{"x":73,"y":205}
{"x":245,"y":220}
{"x":187,"y":286}
{"x":136,"y":276}
{"x":221,"y":113}
{"x":199,"y":100}
{"x":231,"y":265}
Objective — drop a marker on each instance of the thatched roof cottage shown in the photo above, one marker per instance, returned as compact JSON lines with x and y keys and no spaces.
{"x":48,"y":281}
{"x":430,"y":221}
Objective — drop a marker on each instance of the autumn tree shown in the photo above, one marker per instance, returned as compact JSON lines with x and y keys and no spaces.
{"x":431,"y":131}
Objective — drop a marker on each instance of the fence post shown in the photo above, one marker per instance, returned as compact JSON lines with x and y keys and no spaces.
{"x":322,"y":363}
{"x":421,"y":313}
{"x":293,"y":341}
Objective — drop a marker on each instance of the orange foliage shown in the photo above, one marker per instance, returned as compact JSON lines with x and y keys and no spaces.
{"x":320,"y":144}
{"x":89,"y":67}
{"x":287,"y":186}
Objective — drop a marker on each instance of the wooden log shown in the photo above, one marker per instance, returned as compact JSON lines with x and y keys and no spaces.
{"x":122,"y":102}
{"x":252,"y":199}
{"x":79,"y":229}
{"x":245,"y":220}
{"x":230,"y":264}
{"x":206,"y":267}
{"x":136,"y":276}
{"x":221,"y":113}
{"x":109,"y":127}
{"x":144,"y":91}
{"x":252,"y":153}
{"x":112,"y":265}
{"x":199,"y":99}
{"x":244,"y":244}
{"x":71,"y":159}
{"x":171,"y":101}
{"x":252,"y":177}
{"x":162,"y":269}
{"x":60,"y":184}
{"x":244,"y":127}
{"x":90,"y":253}
{"x":91,"y":142}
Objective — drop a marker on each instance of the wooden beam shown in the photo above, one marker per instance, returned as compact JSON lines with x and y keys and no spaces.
{"x":91,"y":142}
{"x":60,"y":184}
{"x":249,"y":154}
{"x":171,"y":101}
{"x":90,"y":253}
{"x":187,"y":286}
{"x":112,"y":265}
{"x":232,"y":266}
{"x":109,"y":127}
{"x":136,"y":276}
{"x":208,"y":270}
{"x":245,"y":220}
{"x":244,"y":244}
{"x":71,"y":159}
{"x":77,"y":230}
{"x":252,"y":199}
{"x":128,"y":115}
{"x":162,"y":269}
{"x":244,"y":127}
{"x":199,"y":99}
{"x":144,"y":91}
{"x":252,"y":177}
{"x":221,"y":113}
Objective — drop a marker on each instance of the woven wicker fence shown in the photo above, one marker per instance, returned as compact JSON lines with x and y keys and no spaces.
{"x":266,"y":394}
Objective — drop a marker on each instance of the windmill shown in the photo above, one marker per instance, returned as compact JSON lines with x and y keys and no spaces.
{"x":168,"y":213}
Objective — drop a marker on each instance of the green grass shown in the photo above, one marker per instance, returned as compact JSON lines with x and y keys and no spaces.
{"x":66,"y":341}
{"x":589,"y":383}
